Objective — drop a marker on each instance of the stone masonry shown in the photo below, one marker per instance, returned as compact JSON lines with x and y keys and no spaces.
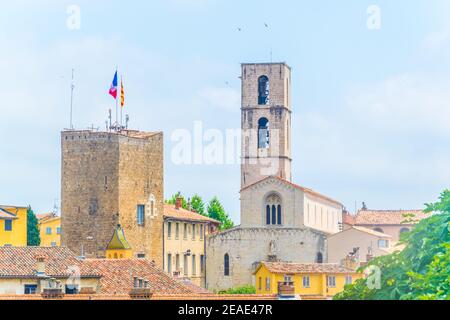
{"x":105,"y":176}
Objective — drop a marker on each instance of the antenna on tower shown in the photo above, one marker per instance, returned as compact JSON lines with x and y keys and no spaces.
{"x":127,"y":119}
{"x":72,"y":87}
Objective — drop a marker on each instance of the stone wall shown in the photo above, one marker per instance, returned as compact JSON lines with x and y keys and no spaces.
{"x":105,"y":175}
{"x":248,"y":246}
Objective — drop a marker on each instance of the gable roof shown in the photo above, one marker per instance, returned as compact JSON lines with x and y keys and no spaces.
{"x":47,"y":217}
{"x":170,"y":211}
{"x":6,"y":215}
{"x":117,"y":276}
{"x":365,"y":230}
{"x":296,"y":186}
{"x":118,"y":240}
{"x":389,"y":217}
{"x":303,"y":268}
{"x":21,"y":262}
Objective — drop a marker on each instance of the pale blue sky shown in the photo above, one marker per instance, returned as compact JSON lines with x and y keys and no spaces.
{"x":371,"y":108}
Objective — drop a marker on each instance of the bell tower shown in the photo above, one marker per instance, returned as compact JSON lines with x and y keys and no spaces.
{"x":265,"y":122}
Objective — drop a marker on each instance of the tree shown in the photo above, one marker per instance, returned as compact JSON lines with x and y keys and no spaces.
{"x":240,"y":290}
{"x":217,"y":212}
{"x":198,"y":205}
{"x":421,"y":270}
{"x":33,"y":237}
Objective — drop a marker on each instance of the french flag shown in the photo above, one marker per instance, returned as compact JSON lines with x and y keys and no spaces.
{"x":113,"y":89}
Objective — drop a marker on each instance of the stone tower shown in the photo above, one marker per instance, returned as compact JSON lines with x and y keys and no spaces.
{"x":108,"y":179}
{"x":266,"y":122}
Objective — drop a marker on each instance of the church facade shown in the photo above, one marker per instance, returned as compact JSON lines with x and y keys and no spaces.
{"x":280,"y":220}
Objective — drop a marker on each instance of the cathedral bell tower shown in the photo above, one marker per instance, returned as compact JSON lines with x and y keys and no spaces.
{"x":265,"y":122}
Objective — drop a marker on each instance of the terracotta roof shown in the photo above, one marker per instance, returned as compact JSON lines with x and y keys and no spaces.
{"x":117,"y":276}
{"x":193,"y":287}
{"x":6,"y":215}
{"x":20,"y":262}
{"x":47,"y":217}
{"x":365,"y":230}
{"x":188,"y":296}
{"x":295,"y":268}
{"x":389,"y":217}
{"x":183,"y":214}
{"x":305,"y":190}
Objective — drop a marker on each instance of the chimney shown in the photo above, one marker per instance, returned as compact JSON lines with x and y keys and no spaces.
{"x":179,"y":203}
{"x":40,"y":265}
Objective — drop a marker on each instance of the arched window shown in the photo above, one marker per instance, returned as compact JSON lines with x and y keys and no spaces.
{"x":378,"y":230}
{"x":263,"y":133}
{"x":226,"y":265}
{"x":403,"y":230}
{"x":279,"y":215}
{"x":273,"y":210}
{"x":263,"y":90}
{"x":319,"y":257}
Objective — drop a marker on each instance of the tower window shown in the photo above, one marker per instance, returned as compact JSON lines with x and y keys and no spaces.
{"x":263,"y":90}
{"x":141,"y":215}
{"x":263,"y":133}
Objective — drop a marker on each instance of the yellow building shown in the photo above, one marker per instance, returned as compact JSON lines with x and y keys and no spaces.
{"x":184,"y":242}
{"x":306,"y":280}
{"x":118,"y":247}
{"x":50,"y":229}
{"x":13,"y":226}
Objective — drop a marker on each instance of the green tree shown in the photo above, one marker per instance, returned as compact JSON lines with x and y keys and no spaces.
{"x":198,"y":205}
{"x":240,"y":290}
{"x":421,"y":270}
{"x":216,"y":211}
{"x":33,"y":237}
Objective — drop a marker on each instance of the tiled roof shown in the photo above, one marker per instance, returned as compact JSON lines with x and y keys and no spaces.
{"x":20,"y":262}
{"x":47,"y":217}
{"x":189,"y":296}
{"x":6,"y":215}
{"x":193,"y":287}
{"x":365,"y":230}
{"x":117,"y":276}
{"x":182,"y":214}
{"x":305,"y":190}
{"x":389,"y":217}
{"x":295,"y":268}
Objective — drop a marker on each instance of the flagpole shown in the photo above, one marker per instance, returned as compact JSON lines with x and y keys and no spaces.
{"x":121,"y":106}
{"x":117,"y":113}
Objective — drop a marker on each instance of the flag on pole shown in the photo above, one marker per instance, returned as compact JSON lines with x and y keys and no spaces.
{"x":122,"y":94}
{"x":113,"y":89}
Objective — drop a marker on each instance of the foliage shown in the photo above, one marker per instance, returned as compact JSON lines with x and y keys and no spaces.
{"x":33,"y":237}
{"x":173,"y":200}
{"x":419,"y":270}
{"x":217,"y":212}
{"x":214,"y":210}
{"x":240,"y":290}
{"x":198,"y":205}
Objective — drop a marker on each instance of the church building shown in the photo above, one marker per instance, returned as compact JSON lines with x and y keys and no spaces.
{"x":280,"y":220}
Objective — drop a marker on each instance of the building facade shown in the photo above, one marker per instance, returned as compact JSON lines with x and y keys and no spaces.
{"x":306,"y":280}
{"x":185,"y":234}
{"x":49,"y":229}
{"x":111,"y":178}
{"x":280,"y":220}
{"x":13,"y":226}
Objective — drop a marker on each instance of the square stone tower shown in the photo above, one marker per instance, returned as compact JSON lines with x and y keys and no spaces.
{"x":266,"y":122}
{"x":107,"y":179}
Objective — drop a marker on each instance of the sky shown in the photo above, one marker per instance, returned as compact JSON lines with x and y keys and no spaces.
{"x":371,"y":106}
